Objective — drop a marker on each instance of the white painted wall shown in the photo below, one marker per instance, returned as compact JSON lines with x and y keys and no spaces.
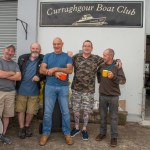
{"x":128,"y":44}
{"x":147,"y":17}
{"x":27,"y":11}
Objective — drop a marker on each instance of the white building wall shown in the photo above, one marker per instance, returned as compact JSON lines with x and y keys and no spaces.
{"x":128,"y":43}
{"x":27,"y":11}
{"x":147,"y":17}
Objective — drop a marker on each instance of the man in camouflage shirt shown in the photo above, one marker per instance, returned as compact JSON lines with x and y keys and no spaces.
{"x":83,"y":85}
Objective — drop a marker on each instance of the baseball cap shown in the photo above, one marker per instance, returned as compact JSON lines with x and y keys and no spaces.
{"x":10,"y":46}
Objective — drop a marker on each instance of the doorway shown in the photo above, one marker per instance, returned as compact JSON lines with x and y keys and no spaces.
{"x":147,"y":79}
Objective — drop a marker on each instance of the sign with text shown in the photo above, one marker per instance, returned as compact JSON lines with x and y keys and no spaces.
{"x":94,"y":14}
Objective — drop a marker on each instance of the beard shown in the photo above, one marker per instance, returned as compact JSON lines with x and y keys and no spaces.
{"x":35,"y":54}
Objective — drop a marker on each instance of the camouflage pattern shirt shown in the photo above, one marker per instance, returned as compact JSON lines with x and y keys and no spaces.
{"x":85,"y":70}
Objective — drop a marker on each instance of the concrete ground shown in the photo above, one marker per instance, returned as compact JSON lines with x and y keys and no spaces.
{"x":131,"y":137}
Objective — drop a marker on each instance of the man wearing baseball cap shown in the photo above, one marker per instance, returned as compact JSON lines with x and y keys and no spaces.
{"x":9,"y":74}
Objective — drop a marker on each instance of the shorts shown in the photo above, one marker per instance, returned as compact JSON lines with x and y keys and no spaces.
{"x":7,"y":103}
{"x":27,"y":104}
{"x":82,"y":100}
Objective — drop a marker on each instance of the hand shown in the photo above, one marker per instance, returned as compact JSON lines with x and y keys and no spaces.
{"x":110,"y":75}
{"x":35,"y":78}
{"x":118,"y":63}
{"x":57,"y":74}
{"x":52,"y":71}
{"x":70,"y":53}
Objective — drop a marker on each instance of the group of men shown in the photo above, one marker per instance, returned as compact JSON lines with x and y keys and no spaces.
{"x":23,"y":94}
{"x":34,"y":67}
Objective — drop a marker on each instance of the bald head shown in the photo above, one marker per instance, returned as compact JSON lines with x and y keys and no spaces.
{"x":110,"y":52}
{"x":57,"y":39}
{"x":108,"y":55}
{"x":57,"y":45}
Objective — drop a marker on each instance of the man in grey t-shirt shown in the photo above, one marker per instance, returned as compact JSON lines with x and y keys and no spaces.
{"x":9,"y":74}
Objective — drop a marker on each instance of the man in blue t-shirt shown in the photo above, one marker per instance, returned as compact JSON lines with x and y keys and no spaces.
{"x":54,"y":66}
{"x":27,"y":99}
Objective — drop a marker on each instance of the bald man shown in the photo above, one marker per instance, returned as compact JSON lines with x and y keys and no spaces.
{"x":28,"y":89}
{"x":54,"y":66}
{"x":110,"y":77}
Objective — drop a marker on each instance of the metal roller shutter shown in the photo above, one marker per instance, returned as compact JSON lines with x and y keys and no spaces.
{"x":8,"y":23}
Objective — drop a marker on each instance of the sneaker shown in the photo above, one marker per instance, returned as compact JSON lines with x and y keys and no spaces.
{"x":28,"y":131}
{"x":113,"y":142}
{"x":85,"y":135}
{"x":5,"y":139}
{"x":100,"y":137}
{"x":74,"y":132}
{"x":22,"y":133}
{"x":68,"y":139}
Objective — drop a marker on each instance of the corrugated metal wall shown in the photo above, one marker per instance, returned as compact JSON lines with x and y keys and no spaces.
{"x":8,"y":23}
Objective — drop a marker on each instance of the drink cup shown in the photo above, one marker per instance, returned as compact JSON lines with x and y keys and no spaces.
{"x":63,"y":76}
{"x":105,"y":73}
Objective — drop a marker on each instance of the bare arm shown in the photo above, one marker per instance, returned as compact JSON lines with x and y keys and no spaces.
{"x":45,"y":71}
{"x":6,"y":74}
{"x":67,"y":70}
{"x":16,"y":77}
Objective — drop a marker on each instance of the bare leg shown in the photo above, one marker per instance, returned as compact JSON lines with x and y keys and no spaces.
{"x":21,"y":117}
{"x":29,"y":118}
{"x":5,"y":124}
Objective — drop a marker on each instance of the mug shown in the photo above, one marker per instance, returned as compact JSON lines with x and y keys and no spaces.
{"x":105,"y":73}
{"x":63,"y":76}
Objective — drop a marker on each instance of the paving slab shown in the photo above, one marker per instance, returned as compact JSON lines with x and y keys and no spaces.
{"x":132,"y":136}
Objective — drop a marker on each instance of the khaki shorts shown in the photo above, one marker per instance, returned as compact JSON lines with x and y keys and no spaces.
{"x":27,"y":104}
{"x":7,"y":103}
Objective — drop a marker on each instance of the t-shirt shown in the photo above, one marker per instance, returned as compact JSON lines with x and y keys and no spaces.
{"x":56,"y":60}
{"x":27,"y":86}
{"x":6,"y":84}
{"x":84,"y":72}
